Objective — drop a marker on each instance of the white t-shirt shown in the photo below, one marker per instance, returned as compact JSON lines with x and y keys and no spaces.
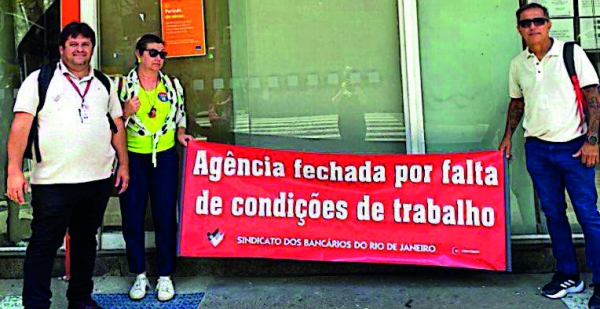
{"x":551,"y":112}
{"x":73,"y":151}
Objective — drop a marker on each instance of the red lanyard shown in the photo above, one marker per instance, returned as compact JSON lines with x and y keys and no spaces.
{"x":87,"y":88}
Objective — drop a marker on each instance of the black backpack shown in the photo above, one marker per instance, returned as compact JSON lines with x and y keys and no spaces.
{"x":46,"y":74}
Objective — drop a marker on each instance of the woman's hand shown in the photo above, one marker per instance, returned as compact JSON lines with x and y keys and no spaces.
{"x":131,"y":107}
{"x":184,"y":139}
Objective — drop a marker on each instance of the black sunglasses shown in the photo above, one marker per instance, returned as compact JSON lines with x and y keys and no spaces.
{"x":526,"y":23}
{"x":153,"y":53}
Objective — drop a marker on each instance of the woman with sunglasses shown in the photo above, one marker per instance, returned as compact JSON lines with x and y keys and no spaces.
{"x":155,"y":118}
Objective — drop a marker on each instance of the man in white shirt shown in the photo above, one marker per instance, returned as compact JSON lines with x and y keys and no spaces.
{"x":561,"y":144}
{"x":71,"y":177}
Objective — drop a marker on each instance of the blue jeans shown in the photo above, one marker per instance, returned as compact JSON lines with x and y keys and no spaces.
{"x":56,"y":208}
{"x":160,"y":184}
{"x":553,"y":169}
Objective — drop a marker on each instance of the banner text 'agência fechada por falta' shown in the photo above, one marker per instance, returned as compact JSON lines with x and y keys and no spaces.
{"x":237,"y":198}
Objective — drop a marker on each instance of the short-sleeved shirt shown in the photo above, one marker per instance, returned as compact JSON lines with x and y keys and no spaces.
{"x":73,"y":151}
{"x":156,"y":98}
{"x":551,"y":112}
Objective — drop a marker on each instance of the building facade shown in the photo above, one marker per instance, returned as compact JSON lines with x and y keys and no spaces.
{"x":336,"y":76}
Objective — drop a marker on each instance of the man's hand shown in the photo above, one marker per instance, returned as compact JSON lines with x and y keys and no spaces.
{"x":589,"y":154}
{"x":122,"y":178}
{"x":17,"y":186}
{"x":516,"y":109}
{"x":119,"y":142}
{"x":131,"y":107}
{"x":505,"y":146}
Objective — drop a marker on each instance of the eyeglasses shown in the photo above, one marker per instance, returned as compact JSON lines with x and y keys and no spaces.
{"x":154,"y":52}
{"x":526,"y":23}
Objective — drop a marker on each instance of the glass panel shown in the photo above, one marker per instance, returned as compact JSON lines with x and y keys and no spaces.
{"x":121,"y":24}
{"x":317,"y":75}
{"x":206,"y":79}
{"x":269,"y":81}
{"x":464,"y":69}
{"x":28,"y":38}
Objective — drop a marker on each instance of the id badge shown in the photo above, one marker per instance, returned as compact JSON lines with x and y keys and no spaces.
{"x":84,"y":114}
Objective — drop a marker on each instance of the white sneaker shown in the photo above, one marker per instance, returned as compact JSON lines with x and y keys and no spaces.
{"x":165,"y":289}
{"x":139,"y":288}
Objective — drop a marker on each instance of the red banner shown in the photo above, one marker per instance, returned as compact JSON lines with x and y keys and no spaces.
{"x":442,"y":210}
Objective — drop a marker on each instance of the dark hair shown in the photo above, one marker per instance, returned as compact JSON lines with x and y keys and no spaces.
{"x":532,"y":5}
{"x":149,"y":38}
{"x":74,"y":30}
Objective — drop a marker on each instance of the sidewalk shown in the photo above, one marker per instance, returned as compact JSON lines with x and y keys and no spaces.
{"x":439,"y":288}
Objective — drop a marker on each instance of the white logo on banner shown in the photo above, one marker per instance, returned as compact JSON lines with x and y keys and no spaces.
{"x":215,"y":237}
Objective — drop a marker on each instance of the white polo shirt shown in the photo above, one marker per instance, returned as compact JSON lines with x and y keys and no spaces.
{"x":72,"y":151}
{"x":550,"y":103}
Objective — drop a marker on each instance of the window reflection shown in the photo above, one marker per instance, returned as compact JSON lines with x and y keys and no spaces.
{"x":28,"y":39}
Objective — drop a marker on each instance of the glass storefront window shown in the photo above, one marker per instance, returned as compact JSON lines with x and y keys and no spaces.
{"x":28,"y":39}
{"x":205,"y":79}
{"x":464,"y":69}
{"x":304,"y":75}
{"x":317,"y":75}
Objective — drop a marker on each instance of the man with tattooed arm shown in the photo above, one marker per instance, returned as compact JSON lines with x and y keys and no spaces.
{"x":561,"y":148}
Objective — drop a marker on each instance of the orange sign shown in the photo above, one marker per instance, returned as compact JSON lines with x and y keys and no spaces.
{"x":69,"y":12}
{"x":182,"y":24}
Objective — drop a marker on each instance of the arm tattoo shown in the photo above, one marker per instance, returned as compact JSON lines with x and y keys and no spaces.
{"x":592,"y":99}
{"x":515,"y":113}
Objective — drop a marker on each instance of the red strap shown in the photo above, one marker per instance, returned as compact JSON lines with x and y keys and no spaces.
{"x":87,"y":87}
{"x":120,"y":86}
{"x":120,"y":89}
{"x":581,"y":104}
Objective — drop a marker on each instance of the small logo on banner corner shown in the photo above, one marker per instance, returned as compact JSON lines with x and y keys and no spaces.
{"x":457,"y":251}
{"x":215,"y":237}
{"x":162,"y":97}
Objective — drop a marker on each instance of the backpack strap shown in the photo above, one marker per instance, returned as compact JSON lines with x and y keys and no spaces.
{"x":107,"y":84}
{"x":103,"y":79}
{"x":46,"y":74}
{"x":112,"y":124}
{"x":44,"y":78}
{"x":569,"y":59}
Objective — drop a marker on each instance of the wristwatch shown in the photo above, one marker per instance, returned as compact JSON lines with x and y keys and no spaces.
{"x":592,"y":140}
